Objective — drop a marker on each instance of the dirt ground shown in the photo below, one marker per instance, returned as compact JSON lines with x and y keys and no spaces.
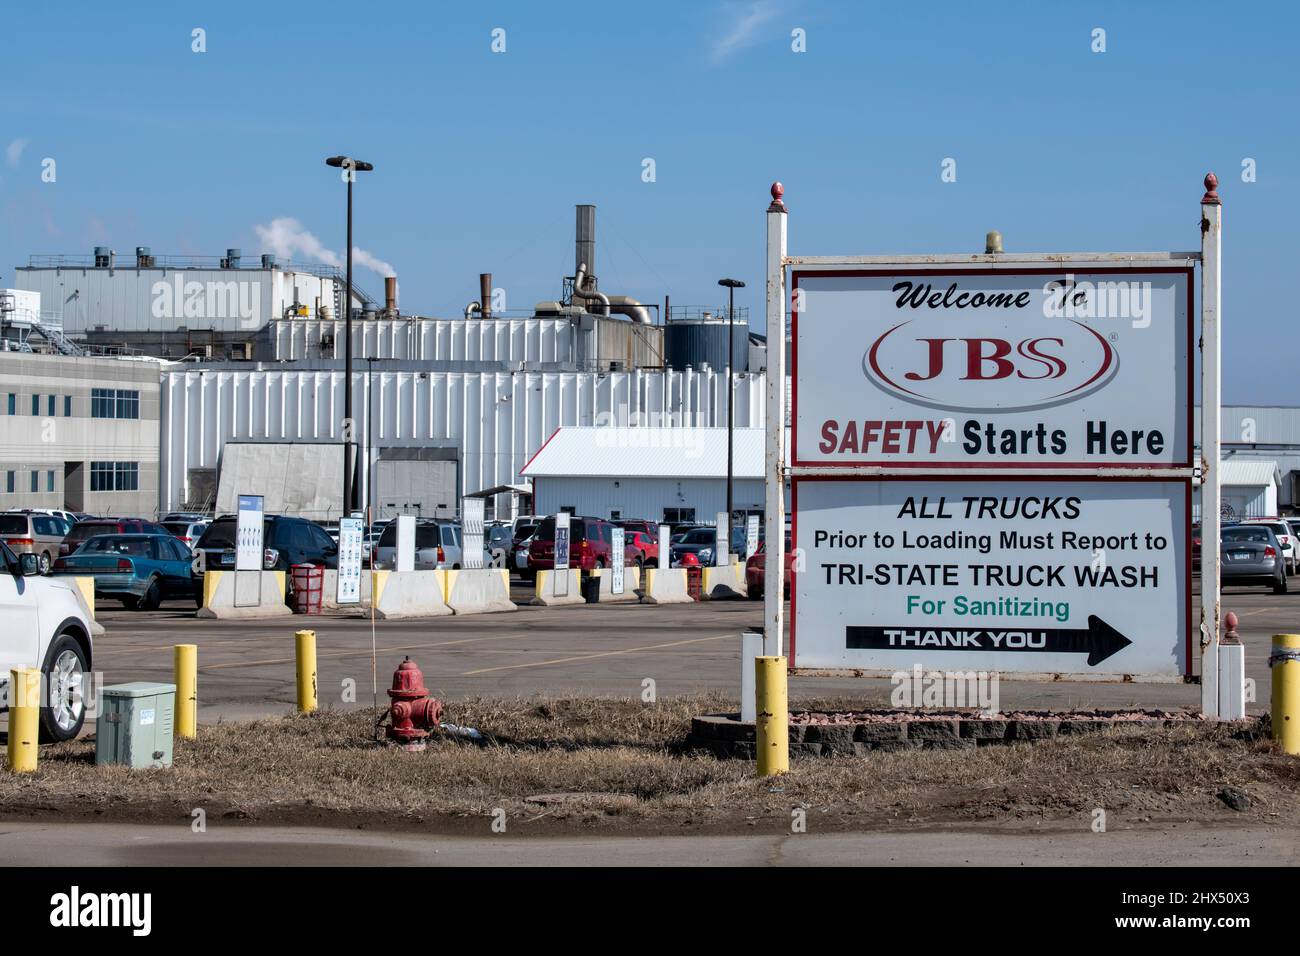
{"x":618,"y":766}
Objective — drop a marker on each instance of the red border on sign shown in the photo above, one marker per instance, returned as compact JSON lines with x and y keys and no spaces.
{"x":797,"y":462}
{"x":1187,"y":545}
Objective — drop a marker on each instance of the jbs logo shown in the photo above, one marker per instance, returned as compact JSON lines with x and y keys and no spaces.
{"x":990,"y":373}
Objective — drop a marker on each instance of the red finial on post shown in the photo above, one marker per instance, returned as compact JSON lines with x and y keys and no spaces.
{"x":1211,"y":190}
{"x":777,"y":192}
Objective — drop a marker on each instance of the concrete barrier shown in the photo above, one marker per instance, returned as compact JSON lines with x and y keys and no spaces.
{"x":631,"y":584}
{"x":478,"y":590}
{"x":405,"y":594}
{"x":723,"y":582}
{"x":665,"y":586}
{"x":84,"y":590}
{"x":554,"y":588}
{"x":219,"y":595}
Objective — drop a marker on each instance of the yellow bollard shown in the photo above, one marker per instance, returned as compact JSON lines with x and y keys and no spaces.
{"x":772,"y":728}
{"x":187,"y":690}
{"x":1285,"y":665}
{"x":305,"y":644}
{"x":24,"y":718}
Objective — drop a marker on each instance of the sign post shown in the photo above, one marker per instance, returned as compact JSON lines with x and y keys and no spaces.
{"x":561,"y":562}
{"x":351,"y":531}
{"x":617,"y":559}
{"x":665,"y":546}
{"x":991,"y":460}
{"x":472,"y":510}
{"x":1211,"y":340}
{"x":249,"y":548}
{"x":405,"y":543}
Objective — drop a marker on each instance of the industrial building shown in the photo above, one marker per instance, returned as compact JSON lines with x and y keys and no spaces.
{"x":79,"y":433}
{"x":1261,"y":453}
{"x":672,"y":475}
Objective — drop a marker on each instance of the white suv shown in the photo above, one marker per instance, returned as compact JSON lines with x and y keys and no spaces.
{"x":44,"y":624}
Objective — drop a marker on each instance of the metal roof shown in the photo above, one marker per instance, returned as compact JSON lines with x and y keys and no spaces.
{"x":1241,"y":471}
{"x":589,"y":452}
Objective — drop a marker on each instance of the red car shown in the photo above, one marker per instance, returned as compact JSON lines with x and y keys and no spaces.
{"x":589,"y":544}
{"x":645,"y":545}
{"x":756,"y":568}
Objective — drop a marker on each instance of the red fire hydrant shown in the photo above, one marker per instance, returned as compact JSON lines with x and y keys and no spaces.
{"x":413,"y":712}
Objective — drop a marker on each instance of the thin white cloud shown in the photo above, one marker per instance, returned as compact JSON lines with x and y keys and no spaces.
{"x":14,"y":152}
{"x":746,"y":21}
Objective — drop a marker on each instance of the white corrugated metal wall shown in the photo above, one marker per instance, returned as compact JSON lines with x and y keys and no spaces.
{"x":498,"y":420}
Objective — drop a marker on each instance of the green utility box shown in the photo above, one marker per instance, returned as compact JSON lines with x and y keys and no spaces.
{"x":135,"y":724}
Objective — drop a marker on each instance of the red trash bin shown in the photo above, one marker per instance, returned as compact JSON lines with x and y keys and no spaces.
{"x":308,"y":585}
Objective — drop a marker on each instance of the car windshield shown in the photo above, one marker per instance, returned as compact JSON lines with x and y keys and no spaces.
{"x":699,"y":536}
{"x":1256,"y":535}
{"x":13,"y":524}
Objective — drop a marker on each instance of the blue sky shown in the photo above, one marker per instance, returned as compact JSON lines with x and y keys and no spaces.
{"x":481,"y":156}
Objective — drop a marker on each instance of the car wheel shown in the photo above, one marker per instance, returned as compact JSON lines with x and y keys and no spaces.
{"x":63,"y":713}
{"x":44,"y":562}
{"x":754,"y":593}
{"x":152,"y":597}
{"x":1280,"y":585}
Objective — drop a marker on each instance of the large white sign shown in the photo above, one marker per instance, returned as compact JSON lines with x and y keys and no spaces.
{"x":618,"y":555}
{"x":1015,"y":368}
{"x":351,"y":534}
{"x":1038,"y":576}
{"x":249,"y":524}
{"x":472,"y":510}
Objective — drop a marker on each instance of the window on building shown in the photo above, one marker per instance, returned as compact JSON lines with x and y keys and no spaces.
{"x":13,"y":404}
{"x":615,"y":515}
{"x":50,"y":406}
{"x":114,"y":476}
{"x":49,"y":481}
{"x":36,"y":478}
{"x":114,"y":403}
{"x":679,"y":515}
{"x":36,"y":404}
{"x":569,"y":509}
{"x":11,"y":481}
{"x":67,"y":406}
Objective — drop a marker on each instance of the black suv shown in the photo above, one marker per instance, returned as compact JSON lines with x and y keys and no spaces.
{"x":287,"y":541}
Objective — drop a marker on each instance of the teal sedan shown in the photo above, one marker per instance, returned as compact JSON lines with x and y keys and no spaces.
{"x":140,"y":570}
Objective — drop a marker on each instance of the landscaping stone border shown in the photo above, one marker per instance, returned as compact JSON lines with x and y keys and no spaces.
{"x":725,"y":735}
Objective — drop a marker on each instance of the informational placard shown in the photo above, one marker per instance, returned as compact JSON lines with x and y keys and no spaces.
{"x":616,"y":560}
{"x":405,"y":543}
{"x":665,"y":546}
{"x":751,"y":536}
{"x":249,"y":523}
{"x":721,"y":539}
{"x":561,"y":562}
{"x":351,"y":536}
{"x":472,"y":532}
{"x":1012,"y":368}
{"x":1074,"y":578}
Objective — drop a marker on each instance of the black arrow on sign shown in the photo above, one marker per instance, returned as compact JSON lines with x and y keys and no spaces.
{"x":1098,"y":640}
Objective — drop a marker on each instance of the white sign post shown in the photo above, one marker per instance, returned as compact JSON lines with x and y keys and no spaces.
{"x":991,"y":460}
{"x":405,"y":543}
{"x":617,"y":559}
{"x":751,"y":536}
{"x":351,"y":535}
{"x":665,"y":546}
{"x":249,"y":549}
{"x":561,"y":562}
{"x":722,"y":539}
{"x":472,"y":510}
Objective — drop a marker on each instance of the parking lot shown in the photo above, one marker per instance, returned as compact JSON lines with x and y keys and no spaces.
{"x":246,"y":669}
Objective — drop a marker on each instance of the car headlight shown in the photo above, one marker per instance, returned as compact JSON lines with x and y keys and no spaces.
{"x":706,"y":553}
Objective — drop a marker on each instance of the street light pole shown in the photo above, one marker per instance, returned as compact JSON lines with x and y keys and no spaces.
{"x":731,"y":285}
{"x":351,"y":167}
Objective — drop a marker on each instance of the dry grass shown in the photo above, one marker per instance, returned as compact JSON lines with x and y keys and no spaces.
{"x":325,"y":769}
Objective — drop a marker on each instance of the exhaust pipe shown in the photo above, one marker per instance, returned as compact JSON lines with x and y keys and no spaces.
{"x":580,"y":290}
{"x":485,"y":294}
{"x":390,"y":296}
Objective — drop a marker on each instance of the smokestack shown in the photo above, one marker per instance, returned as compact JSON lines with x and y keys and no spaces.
{"x":390,"y":296}
{"x":485,"y":294}
{"x":584,"y":249}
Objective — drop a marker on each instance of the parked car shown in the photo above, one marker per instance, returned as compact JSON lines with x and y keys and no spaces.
{"x":639,"y":525}
{"x":590,"y":544}
{"x":187,"y":531}
{"x":286,"y":541}
{"x":89,"y":528}
{"x":498,"y":542}
{"x":756,"y":570}
{"x":140,"y":570}
{"x":519,"y":552}
{"x":1252,"y":554}
{"x":437,"y":545}
{"x":647,"y":546}
{"x":1286,"y":536}
{"x":701,"y":541}
{"x":32,"y":532}
{"x":186,"y":516}
{"x":44,"y":624}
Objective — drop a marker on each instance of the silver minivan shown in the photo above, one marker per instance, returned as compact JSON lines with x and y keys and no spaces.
{"x":437,"y":545}
{"x":34,"y":532}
